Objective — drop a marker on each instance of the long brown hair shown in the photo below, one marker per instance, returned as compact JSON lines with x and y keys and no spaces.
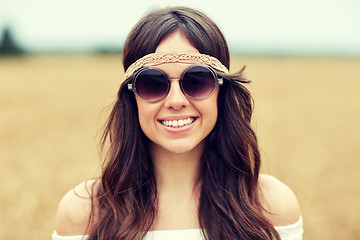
{"x":230,"y":205}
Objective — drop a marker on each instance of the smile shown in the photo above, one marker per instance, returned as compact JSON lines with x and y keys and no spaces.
{"x":178,"y":123}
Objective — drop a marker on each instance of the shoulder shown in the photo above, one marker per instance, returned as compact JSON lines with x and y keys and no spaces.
{"x":280,"y":203}
{"x":75,"y":209}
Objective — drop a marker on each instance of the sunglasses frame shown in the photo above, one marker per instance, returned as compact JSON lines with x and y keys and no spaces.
{"x":132,"y":86}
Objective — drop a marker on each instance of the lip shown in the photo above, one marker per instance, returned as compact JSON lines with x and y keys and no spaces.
{"x":182,"y":129}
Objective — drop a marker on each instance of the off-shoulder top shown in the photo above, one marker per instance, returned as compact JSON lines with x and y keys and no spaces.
{"x":289,"y":232}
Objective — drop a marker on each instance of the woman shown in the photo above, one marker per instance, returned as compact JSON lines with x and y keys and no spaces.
{"x":182,"y":160}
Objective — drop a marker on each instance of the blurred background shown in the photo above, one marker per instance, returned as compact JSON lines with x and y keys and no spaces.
{"x":60,"y":68}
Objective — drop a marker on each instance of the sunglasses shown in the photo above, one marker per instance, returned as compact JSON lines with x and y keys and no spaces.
{"x":196,"y":82}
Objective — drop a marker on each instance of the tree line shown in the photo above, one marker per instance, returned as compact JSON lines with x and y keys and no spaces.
{"x":8,"y":45}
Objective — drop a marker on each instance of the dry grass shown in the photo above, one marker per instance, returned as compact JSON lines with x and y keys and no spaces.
{"x":307,"y":119}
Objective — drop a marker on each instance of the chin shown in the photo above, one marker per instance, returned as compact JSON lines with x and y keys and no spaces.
{"x":180,"y":147}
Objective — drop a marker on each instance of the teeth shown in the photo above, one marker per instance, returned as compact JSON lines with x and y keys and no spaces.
{"x":178,"y":123}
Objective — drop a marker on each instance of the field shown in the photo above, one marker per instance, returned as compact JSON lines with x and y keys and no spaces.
{"x":52,"y":109}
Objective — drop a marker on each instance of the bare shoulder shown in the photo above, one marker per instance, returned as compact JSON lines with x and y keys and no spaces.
{"x":75,"y":208}
{"x":281,"y":205}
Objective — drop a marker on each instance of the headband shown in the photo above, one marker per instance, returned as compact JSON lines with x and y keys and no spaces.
{"x":153,"y":59}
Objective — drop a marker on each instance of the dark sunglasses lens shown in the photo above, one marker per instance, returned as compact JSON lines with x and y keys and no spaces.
{"x":151,"y":84}
{"x":198,"y":82}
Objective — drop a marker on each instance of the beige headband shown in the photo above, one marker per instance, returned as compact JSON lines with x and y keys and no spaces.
{"x":153,"y":59}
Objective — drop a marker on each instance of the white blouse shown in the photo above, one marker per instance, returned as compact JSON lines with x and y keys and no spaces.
{"x":289,"y":232}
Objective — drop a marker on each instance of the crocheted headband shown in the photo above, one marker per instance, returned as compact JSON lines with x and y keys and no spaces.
{"x":153,"y":59}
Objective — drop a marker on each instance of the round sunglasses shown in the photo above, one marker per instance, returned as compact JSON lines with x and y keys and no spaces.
{"x":196,"y":82}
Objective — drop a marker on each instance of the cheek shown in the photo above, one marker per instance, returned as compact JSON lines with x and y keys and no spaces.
{"x":214,"y":112}
{"x":147,"y":115}
{"x":142,"y":112}
{"x":209,"y":110}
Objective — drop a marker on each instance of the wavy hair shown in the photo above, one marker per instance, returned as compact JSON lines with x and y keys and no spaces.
{"x":126,"y":198}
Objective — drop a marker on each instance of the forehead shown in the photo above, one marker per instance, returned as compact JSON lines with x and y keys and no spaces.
{"x":175,"y":49}
{"x":174,"y":43}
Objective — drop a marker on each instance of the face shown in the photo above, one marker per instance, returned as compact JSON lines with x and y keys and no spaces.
{"x":194,"y":119}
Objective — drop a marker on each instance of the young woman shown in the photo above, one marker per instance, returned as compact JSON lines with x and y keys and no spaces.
{"x":182,"y":161}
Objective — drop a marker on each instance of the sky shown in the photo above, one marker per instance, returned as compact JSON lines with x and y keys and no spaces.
{"x":317,"y":27}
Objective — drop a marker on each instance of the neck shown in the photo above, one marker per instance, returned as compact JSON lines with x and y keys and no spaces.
{"x":177,"y":180}
{"x":176,"y":172}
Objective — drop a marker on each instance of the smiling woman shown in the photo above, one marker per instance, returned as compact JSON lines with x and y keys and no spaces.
{"x":183,"y":161}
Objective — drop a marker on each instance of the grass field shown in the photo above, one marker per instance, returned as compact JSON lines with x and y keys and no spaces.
{"x":307,"y":117}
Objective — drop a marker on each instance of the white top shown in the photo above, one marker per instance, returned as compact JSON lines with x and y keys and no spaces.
{"x":289,"y":232}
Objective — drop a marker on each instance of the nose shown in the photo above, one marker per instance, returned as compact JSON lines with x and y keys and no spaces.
{"x":176,"y":98}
